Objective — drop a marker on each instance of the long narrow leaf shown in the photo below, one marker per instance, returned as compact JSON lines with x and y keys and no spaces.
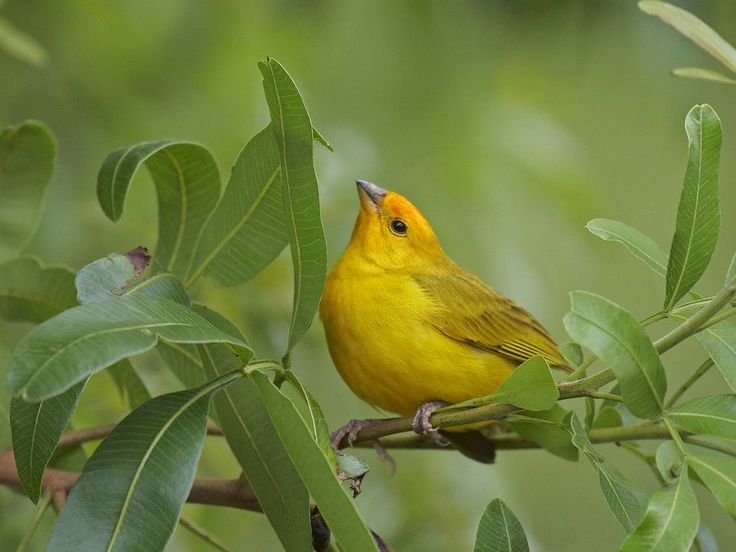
{"x":27,"y":154}
{"x":132,"y":489}
{"x":30,"y":292}
{"x":187,"y":184}
{"x":671,"y":520}
{"x":36,"y":428}
{"x":714,"y":415}
{"x":131,"y":387}
{"x":694,"y":29}
{"x":293,"y":131}
{"x":546,"y":429}
{"x":4,"y":399}
{"x":256,"y":445}
{"x":111,"y":276}
{"x":247,"y":229}
{"x":641,"y":245}
{"x":81,"y":341}
{"x":719,"y":341}
{"x":626,"y":501}
{"x":614,"y":335}
{"x":718,"y":472}
{"x":698,"y":214}
{"x":499,"y":530}
{"x":702,"y":74}
{"x":314,"y":469}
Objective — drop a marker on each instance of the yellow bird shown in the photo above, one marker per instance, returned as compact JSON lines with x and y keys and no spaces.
{"x":407,"y":328}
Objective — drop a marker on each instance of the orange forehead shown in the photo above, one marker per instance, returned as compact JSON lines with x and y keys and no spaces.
{"x":398,"y":206}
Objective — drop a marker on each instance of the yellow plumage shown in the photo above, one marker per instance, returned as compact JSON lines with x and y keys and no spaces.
{"x":405,"y":325}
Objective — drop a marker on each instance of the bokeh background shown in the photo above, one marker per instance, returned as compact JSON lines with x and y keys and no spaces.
{"x":510,"y":124}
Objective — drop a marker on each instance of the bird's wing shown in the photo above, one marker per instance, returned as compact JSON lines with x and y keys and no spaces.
{"x":471,"y":312}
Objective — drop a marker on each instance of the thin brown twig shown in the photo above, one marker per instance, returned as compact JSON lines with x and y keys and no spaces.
{"x":233,"y":493}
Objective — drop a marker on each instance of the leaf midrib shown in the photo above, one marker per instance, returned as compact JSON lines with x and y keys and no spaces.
{"x":695,"y":214}
{"x":258,"y":452}
{"x":295,"y":243}
{"x":243,"y":221}
{"x":650,"y":384}
{"x":184,"y":206}
{"x":671,"y":512}
{"x":80,"y":339}
{"x":144,"y":460}
{"x":113,"y":180}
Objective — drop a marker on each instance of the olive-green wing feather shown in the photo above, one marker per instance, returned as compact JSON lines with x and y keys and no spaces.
{"x":471,"y":312}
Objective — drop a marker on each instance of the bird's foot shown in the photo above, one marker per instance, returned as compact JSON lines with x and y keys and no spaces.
{"x":347,"y":434}
{"x":422,"y":426}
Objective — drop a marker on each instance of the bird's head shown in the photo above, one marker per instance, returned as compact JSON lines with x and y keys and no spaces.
{"x":391,"y":232}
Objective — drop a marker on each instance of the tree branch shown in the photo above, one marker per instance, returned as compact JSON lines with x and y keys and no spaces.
{"x":233,"y":493}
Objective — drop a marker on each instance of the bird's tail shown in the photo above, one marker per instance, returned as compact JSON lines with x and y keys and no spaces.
{"x":472,"y":444}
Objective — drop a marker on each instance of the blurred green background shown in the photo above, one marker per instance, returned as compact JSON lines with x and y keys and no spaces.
{"x":510,"y":124}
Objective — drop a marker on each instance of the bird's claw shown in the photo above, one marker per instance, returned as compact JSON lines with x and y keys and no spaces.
{"x":351,"y":431}
{"x":422,"y":426}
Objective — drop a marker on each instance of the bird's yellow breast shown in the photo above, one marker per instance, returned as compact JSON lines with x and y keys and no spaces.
{"x":379,"y":332}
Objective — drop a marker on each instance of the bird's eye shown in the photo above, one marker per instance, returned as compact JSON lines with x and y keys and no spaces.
{"x":398,"y":227}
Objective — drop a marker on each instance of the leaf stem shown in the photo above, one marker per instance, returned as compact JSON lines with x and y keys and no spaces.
{"x":202,"y":534}
{"x":605,"y":396}
{"x":580,"y":370}
{"x":693,"y":440}
{"x":720,"y":318}
{"x":675,"y":435}
{"x":701,"y":371}
{"x":694,"y":324}
{"x":36,"y":521}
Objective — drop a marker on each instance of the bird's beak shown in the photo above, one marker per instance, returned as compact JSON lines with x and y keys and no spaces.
{"x":371,"y":195}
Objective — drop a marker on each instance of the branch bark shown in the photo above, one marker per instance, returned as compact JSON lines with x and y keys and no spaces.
{"x":233,"y":493}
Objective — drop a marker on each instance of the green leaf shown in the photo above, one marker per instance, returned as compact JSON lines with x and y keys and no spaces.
{"x":694,"y":29}
{"x":321,"y":139}
{"x":669,"y":461}
{"x":4,"y":399}
{"x":718,"y":472}
{"x":31,"y":293}
{"x":499,"y":530}
{"x":314,"y":468}
{"x":247,"y":229}
{"x":184,"y":362}
{"x":317,"y":422}
{"x":20,"y":45}
{"x":36,"y":428}
{"x":572,"y":352}
{"x":698,"y":214}
{"x":625,"y":500}
{"x":111,"y":276}
{"x":261,"y":454}
{"x":731,"y":274}
{"x":530,"y":386}
{"x":713,"y":415}
{"x":615,"y":336}
{"x":27,"y":154}
{"x":719,"y":341}
{"x":671,"y":520}
{"x":165,"y":286}
{"x":546,"y":429}
{"x":293,"y":130}
{"x":642,"y":246}
{"x":130,"y":385}
{"x":608,"y":416}
{"x":187,"y":185}
{"x":83,"y":340}
{"x":132,"y":489}
{"x":702,"y":74}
